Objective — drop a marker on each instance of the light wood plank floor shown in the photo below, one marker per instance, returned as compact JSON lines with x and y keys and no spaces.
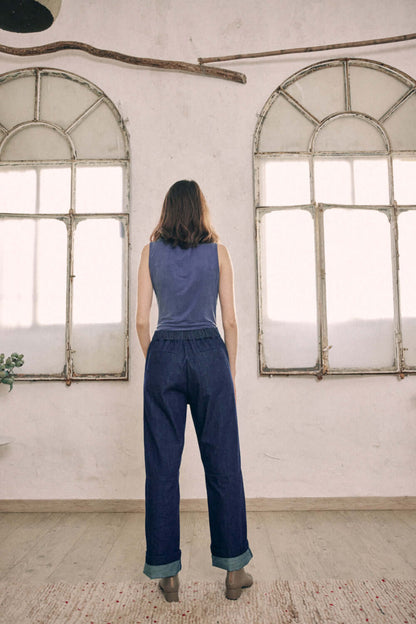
{"x":73,"y":547}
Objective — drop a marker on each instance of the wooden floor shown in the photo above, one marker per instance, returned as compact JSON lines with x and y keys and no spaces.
{"x":48,"y":547}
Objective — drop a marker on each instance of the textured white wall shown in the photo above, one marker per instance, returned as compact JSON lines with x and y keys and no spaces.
{"x":299,"y":437}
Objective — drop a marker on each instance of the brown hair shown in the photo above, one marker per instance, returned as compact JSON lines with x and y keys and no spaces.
{"x":184,"y":220}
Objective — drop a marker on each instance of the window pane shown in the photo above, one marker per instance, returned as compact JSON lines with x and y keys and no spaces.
{"x":289,"y":289}
{"x":99,"y":302}
{"x":17,"y":190}
{"x":362,"y":181}
{"x":349,"y":134}
{"x":285,"y":129}
{"x":55,"y":190}
{"x":359,"y":289}
{"x":404,"y":174}
{"x":321,"y":92}
{"x":36,"y":143}
{"x":99,"y":189}
{"x":407,"y":249}
{"x":401,"y":127}
{"x":63,"y":100}
{"x":370,"y":181}
{"x":17,"y":101}
{"x":284,"y":182}
{"x":33,"y":292}
{"x":333,"y":181}
{"x":365,"y":82}
{"x":98,"y":135}
{"x":51,"y":261}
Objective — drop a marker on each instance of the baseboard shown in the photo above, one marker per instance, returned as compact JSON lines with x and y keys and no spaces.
{"x":342,"y":503}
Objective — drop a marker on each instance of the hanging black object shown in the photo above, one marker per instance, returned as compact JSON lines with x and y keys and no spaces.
{"x":24,"y":16}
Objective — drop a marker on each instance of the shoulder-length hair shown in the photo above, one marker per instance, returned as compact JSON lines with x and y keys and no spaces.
{"x":185,"y":220}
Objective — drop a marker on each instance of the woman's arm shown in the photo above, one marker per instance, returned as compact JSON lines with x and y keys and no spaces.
{"x":144,"y":300}
{"x":226,"y":294}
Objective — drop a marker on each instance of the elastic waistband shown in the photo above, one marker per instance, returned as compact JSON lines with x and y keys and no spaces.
{"x":185,"y":334}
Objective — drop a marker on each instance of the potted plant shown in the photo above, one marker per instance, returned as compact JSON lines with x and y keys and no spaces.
{"x":7,"y":366}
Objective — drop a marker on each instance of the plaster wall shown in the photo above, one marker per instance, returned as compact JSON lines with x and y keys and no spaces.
{"x":299,"y":437}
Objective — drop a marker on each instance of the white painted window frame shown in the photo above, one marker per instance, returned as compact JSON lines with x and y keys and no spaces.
{"x":71,"y":218}
{"x":393,"y":210}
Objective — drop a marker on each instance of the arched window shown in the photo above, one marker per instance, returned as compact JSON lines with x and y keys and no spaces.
{"x":64,"y":176}
{"x":335,"y":194}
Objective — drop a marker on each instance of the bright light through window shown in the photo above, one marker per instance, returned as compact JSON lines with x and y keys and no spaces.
{"x":290,"y":266}
{"x":64,"y":163}
{"x":336,"y":278}
{"x":55,"y":190}
{"x":99,"y":189}
{"x":405,"y":181}
{"x":51,"y":256}
{"x":358,"y":265}
{"x":361,"y":181}
{"x":407,"y":249}
{"x":98,"y":265}
{"x":284,"y":183}
{"x":18,"y":190}
{"x":17,"y":240}
{"x":34,"y":291}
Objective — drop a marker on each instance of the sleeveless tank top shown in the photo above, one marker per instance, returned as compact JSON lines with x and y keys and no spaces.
{"x":186,"y":283}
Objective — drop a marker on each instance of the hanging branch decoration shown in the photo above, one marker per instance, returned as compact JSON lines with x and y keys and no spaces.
{"x":333,"y":46}
{"x":190,"y":68}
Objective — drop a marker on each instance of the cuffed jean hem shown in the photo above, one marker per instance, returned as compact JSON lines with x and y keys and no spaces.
{"x":162,"y":571}
{"x":232,"y":563}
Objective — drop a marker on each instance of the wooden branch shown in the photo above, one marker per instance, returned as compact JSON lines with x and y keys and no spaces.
{"x":333,"y":46}
{"x":191,"y":68}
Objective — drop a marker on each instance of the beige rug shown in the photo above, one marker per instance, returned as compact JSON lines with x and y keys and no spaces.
{"x":276,"y":602}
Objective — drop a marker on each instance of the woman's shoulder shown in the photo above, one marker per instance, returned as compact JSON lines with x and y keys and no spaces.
{"x":223,"y":255}
{"x":222,"y":250}
{"x":146,"y":251}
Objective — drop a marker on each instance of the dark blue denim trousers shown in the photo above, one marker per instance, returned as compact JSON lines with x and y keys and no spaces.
{"x":191,"y":367}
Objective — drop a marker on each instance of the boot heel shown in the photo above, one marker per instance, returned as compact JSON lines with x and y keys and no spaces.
{"x":170,"y":588}
{"x":171,"y":596}
{"x":233,"y":594}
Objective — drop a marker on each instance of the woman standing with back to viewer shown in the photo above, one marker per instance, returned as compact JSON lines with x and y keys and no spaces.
{"x":187,"y":362}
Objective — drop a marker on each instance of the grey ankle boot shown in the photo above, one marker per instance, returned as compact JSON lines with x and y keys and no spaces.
{"x":235,"y":582}
{"x":170,"y":588}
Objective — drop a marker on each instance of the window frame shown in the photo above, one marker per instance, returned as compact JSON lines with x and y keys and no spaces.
{"x":317,"y":210}
{"x":72,"y":217}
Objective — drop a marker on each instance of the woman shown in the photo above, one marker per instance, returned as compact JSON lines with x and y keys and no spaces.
{"x":187,"y":362}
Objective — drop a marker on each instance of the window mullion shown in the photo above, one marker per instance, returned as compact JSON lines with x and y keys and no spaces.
{"x":394,"y":228}
{"x":321,"y":288}
{"x":259,"y":214}
{"x":70,"y":279}
{"x":393,"y":214}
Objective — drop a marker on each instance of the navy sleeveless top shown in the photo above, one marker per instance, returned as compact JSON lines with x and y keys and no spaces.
{"x":186,"y":283}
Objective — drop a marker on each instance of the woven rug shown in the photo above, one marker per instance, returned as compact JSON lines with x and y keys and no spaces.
{"x":277,"y":602}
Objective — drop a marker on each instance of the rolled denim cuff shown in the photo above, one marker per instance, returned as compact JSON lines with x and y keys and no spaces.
{"x":232,"y":563}
{"x":161,"y":571}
